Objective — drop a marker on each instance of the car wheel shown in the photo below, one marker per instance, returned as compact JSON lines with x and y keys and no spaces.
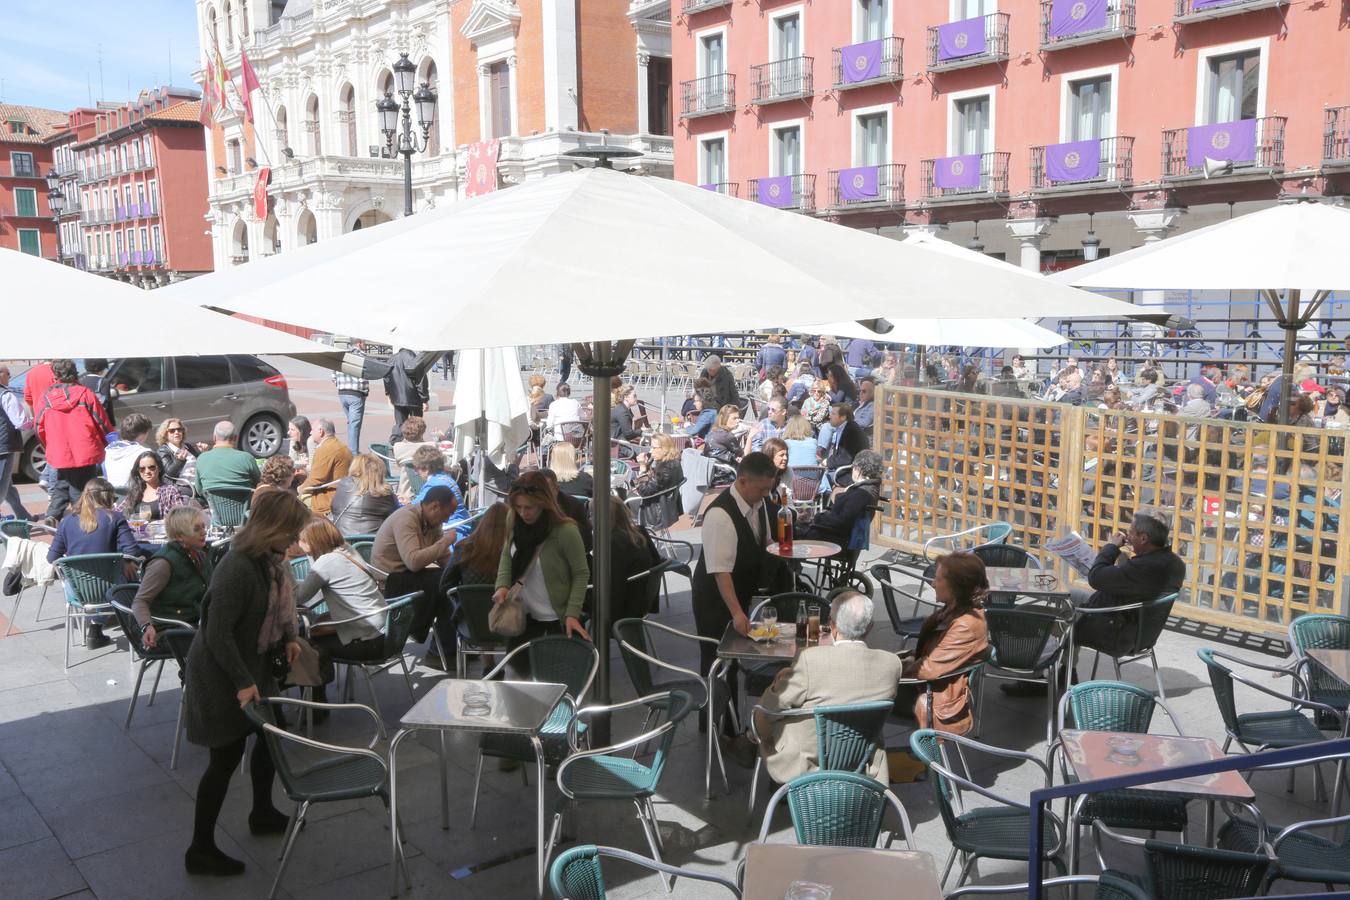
{"x":263,"y":436}
{"x":33,"y":461}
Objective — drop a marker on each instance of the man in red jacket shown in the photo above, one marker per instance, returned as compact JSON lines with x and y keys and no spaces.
{"x":35,"y":383}
{"x":74,"y":428}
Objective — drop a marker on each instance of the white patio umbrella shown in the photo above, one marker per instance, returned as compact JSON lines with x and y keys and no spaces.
{"x":597,"y":257}
{"x":1294,"y":254}
{"x":954,"y":332}
{"x":491,"y":409}
{"x":58,"y":311}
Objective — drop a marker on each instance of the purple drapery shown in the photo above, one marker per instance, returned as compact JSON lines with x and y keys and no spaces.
{"x":1205,"y":4}
{"x":964,"y":38}
{"x":1074,"y":161}
{"x":957,"y":171}
{"x":1068,"y":17}
{"x":1227,"y":140}
{"x":777,"y":191}
{"x":861,"y":183}
{"x":861,"y":62}
{"x":709,"y":187}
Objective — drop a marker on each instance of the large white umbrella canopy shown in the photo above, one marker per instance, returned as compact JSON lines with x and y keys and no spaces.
{"x":596,"y":254}
{"x":489,"y":392}
{"x":58,"y":311}
{"x":949,"y":332}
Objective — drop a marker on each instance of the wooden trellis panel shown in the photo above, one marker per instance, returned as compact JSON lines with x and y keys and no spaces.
{"x":1254,"y":509}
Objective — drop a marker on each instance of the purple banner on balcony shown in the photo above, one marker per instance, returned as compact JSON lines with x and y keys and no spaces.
{"x":861,"y":62}
{"x":1070,"y":17}
{"x":122,"y":258}
{"x":777,"y":192}
{"x":1074,"y":161}
{"x":1234,"y":141}
{"x":1205,"y":4}
{"x":709,"y":187}
{"x":957,"y":171}
{"x":859,"y":184}
{"x":964,"y":38}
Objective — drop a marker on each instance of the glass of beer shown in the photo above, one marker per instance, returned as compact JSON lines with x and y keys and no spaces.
{"x":813,"y":624}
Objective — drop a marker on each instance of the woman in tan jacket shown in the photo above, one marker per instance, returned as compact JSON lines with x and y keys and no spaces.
{"x":951,"y":639}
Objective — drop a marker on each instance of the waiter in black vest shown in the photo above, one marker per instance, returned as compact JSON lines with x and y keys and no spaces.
{"x":733,"y":566}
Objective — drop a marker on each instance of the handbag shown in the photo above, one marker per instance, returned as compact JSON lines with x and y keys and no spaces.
{"x":13,"y":583}
{"x":305,"y":671}
{"x":508,"y":617}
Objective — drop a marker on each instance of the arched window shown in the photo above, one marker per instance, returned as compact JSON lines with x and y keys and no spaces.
{"x":229,"y":24}
{"x":307,"y":229}
{"x":312,"y":126}
{"x":428,"y":75}
{"x":212,"y":27}
{"x":239,"y":244}
{"x":347,"y":103}
{"x":283,"y":137}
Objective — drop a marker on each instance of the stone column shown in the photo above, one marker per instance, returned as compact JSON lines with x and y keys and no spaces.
{"x":1153,"y":225}
{"x":643,"y":58}
{"x":1029,"y":233}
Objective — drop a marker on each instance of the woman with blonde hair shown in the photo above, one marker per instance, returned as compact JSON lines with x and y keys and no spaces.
{"x":800,"y":438}
{"x":364,"y":499}
{"x":562,"y":460}
{"x":722,"y":444}
{"x":816,"y":406}
{"x":174,"y":449}
{"x":539,"y":400}
{"x":94,"y":526}
{"x":176,"y":577}
{"x":659,"y":468}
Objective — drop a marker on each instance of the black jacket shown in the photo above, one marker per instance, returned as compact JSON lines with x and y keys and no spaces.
{"x":1136,"y":580}
{"x":723,"y":446}
{"x":581,"y":486}
{"x":360,"y":513}
{"x":664,"y":473}
{"x":852,"y":441}
{"x":835,"y":524}
{"x":621,"y":421}
{"x":723,"y":387}
{"x":406,"y":384}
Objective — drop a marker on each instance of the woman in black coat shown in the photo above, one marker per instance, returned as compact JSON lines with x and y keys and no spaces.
{"x":248,"y":617}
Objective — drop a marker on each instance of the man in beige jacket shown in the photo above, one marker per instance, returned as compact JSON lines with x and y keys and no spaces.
{"x":845,"y":671}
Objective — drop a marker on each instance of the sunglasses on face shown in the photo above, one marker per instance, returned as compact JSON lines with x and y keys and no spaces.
{"x":148,"y":468}
{"x":178,"y":430}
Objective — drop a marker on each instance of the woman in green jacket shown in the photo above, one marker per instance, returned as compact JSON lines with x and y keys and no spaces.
{"x":544,"y":554}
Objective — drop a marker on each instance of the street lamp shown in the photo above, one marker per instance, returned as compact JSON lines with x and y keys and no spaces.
{"x":408,"y":143}
{"x":1091,"y":243}
{"x":57,"y":201}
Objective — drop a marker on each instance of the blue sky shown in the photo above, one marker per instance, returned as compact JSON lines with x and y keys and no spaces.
{"x":49,"y":50}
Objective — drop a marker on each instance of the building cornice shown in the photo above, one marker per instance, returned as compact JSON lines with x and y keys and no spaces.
{"x":491,"y":20}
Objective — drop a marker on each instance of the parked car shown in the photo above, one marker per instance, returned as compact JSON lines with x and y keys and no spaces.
{"x":200,"y":390}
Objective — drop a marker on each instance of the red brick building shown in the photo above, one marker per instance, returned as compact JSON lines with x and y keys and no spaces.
{"x":26,"y":221}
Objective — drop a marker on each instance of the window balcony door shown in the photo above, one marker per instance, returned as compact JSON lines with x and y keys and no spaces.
{"x":973,"y":126}
{"x":1090,"y":109}
{"x":787,"y":151}
{"x":1234,"y":87}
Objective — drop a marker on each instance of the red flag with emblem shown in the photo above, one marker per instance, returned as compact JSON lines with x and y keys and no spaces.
{"x":207,"y":113}
{"x":482,"y":168}
{"x":260,"y":192}
{"x":248,"y":83}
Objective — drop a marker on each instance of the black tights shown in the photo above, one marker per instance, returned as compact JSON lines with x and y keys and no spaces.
{"x":215,"y":783}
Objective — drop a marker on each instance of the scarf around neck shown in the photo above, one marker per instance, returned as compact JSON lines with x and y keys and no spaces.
{"x":527,"y":540}
{"x":280,"y":618}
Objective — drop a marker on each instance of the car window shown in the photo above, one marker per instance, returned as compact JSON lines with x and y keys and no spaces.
{"x":202,"y":371}
{"x":139,"y":375}
{"x":250,"y":368}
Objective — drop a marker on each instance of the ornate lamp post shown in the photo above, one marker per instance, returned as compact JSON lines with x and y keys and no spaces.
{"x":404,"y":140}
{"x":57,"y":201}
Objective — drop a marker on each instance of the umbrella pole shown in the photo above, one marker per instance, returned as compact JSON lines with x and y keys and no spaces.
{"x":665,"y":383}
{"x":1291,"y":325}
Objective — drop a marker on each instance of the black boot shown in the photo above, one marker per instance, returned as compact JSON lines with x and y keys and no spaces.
{"x":211,"y":862}
{"x":94,"y":638}
{"x":268,"y":821}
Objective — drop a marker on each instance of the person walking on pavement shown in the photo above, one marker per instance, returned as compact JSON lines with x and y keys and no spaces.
{"x":74,"y":429}
{"x":565,"y":363}
{"x":352,"y":393}
{"x":406,"y":386}
{"x":14,"y":419}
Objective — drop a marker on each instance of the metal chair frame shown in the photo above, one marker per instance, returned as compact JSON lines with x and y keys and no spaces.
{"x":1117,"y":661}
{"x":20,"y":528}
{"x":679,"y":557}
{"x":370,"y":669}
{"x":893,"y":800}
{"x":226,"y":518}
{"x":80,"y":610}
{"x":1150,"y":846}
{"x":1047,"y":674}
{"x":134,"y":634}
{"x":907,"y":628}
{"x":639,"y":505}
{"x":570,"y":857}
{"x":467,"y":646}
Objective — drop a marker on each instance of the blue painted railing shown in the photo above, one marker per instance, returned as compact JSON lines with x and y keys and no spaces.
{"x":1241,"y":762}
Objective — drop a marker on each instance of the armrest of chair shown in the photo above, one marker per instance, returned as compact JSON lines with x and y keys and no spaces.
{"x":310,"y":704}
{"x":1294,"y":829}
{"x":668,"y":869}
{"x":392,"y":604}
{"x":661,"y":664}
{"x":171,"y":623}
{"x":798,"y":712}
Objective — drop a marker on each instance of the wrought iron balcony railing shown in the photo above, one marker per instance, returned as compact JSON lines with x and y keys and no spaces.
{"x":869,"y":62}
{"x":1249,"y":144}
{"x":707,"y":96}
{"x":1077,"y":165}
{"x":950,"y":178}
{"x":785,"y":192}
{"x":1070,"y":23}
{"x":1336,"y":137}
{"x":867,"y":187}
{"x":783,"y":79}
{"x":959,"y":45}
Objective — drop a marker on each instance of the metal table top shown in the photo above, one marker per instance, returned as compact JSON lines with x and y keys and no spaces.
{"x":504,"y":707}
{"x":850,"y":873}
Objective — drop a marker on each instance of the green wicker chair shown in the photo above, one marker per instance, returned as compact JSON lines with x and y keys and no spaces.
{"x":340,"y":773}
{"x":1321,"y":631}
{"x":1138,"y":631}
{"x":472,"y":603}
{"x":397,"y":615}
{"x":1116,"y":706}
{"x":996,"y":832}
{"x":758,"y":676}
{"x":1272,"y":729}
{"x":837,"y":809}
{"x":1299,"y":855}
{"x":847,"y":736}
{"x":300,"y":568}
{"x":1026,"y":646}
{"x":87,"y":579}
{"x":609,"y":774}
{"x":19,"y":528}
{"x":576,"y":874}
{"x":1004,"y":556}
{"x":1105,"y":890}
{"x":557,"y":660}
{"x":386,"y":455}
{"x":119,"y":598}
{"x":907,"y":627}
{"x":179,"y":642}
{"x":229,"y":506}
{"x":365,"y":547}
{"x":1182,"y":872}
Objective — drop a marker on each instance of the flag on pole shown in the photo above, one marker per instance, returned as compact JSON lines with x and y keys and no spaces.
{"x":260,"y":192}
{"x":248,"y":82}
{"x":221,"y":74}
{"x":208,"y":108}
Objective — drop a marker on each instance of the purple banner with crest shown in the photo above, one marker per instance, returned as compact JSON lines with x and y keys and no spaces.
{"x":957,"y":171}
{"x":777,"y":192}
{"x":861,"y":183}
{"x":861,"y":62}
{"x":709,"y":187}
{"x":964,"y":38}
{"x":1206,"y":4}
{"x":1070,"y":17}
{"x":1074,"y":161}
{"x":1227,"y":140}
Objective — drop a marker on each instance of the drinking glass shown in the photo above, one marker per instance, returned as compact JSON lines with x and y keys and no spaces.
{"x":769,"y":616}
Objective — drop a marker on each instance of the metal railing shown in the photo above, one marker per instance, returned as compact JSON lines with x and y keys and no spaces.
{"x":1119,"y":23}
{"x":1336,"y":136}
{"x":783,"y":79}
{"x":995,"y":46}
{"x":1186,"y":11}
{"x":1269,"y":149}
{"x":708,"y":95}
{"x":1115,"y":165}
{"x":693,"y":6}
{"x":890,"y":187}
{"x":993,"y":178}
{"x":729,"y":188}
{"x":803,"y":189}
{"x":892,"y":66}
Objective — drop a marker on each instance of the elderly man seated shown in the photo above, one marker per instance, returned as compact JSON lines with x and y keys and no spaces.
{"x":845,"y":671}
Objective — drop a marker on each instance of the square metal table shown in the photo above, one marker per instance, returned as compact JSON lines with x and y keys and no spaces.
{"x":851,"y":873}
{"x":1026,"y":582}
{"x":502,"y":707}
{"x":1335,"y":662}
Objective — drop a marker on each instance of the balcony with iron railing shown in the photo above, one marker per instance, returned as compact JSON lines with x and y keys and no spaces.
{"x":1082,"y":165}
{"x":1071,"y":23}
{"x":785,"y":192}
{"x":956,"y":179}
{"x":783,"y":79}
{"x":708,"y":96}
{"x":869,"y":62}
{"x":969,"y":42}
{"x":1336,"y":138}
{"x":689,"y":7}
{"x":1252,"y":146}
{"x":1199,"y":10}
{"x":867,"y":187}
{"x":727,"y":188}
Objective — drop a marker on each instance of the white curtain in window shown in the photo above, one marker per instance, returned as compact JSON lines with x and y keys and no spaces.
{"x":969,"y":9}
{"x":1090,"y":116}
{"x":872,"y":140}
{"x":972,"y":125}
{"x":1234,"y":85}
{"x":714,"y":161}
{"x":788,"y":151}
{"x":789,"y":37}
{"x":872,"y":20}
{"x":713,"y":63}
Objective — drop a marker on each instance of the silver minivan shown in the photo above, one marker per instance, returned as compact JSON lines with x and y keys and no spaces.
{"x":200,"y":390}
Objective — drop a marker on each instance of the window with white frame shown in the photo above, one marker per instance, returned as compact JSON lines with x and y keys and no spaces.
{"x":969,"y":9}
{"x":25,"y":203}
{"x":873,"y":21}
{"x":712,"y":160}
{"x":1090,"y":109}
{"x":712,"y":54}
{"x":154,"y":232}
{"x":972,"y":125}
{"x":499,"y":98}
{"x":30,"y":241}
{"x":787,"y":37}
{"x":22,"y":164}
{"x":871,"y":141}
{"x":786,"y":155}
{"x":1233,"y":87}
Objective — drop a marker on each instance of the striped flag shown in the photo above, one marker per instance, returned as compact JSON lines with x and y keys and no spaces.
{"x":208,"y":108}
